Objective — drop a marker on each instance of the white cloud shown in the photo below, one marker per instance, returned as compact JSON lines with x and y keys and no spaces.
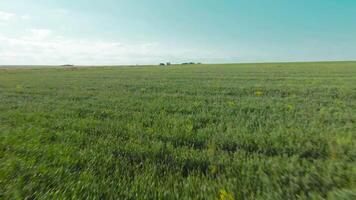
{"x":43,"y":46}
{"x":5,"y":16}
{"x":39,"y":34}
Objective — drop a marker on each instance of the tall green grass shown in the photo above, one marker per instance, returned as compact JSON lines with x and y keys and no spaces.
{"x":247,"y":131}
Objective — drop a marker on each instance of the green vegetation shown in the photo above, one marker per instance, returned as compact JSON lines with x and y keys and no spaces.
{"x":247,"y":131}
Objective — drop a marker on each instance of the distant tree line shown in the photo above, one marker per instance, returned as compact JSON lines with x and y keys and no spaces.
{"x":191,"y":63}
{"x":186,"y":63}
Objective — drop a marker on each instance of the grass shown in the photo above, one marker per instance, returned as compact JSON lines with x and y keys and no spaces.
{"x":239,"y":131}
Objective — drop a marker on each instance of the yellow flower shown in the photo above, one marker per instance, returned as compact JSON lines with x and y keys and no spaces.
{"x":290,"y":107}
{"x":258,"y":93}
{"x":19,"y":88}
{"x":214,"y":169}
{"x":224,"y":195}
{"x":231,"y":103}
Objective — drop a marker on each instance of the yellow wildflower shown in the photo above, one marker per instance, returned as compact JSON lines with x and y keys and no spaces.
{"x":213,"y":169}
{"x":224,"y":195}
{"x":19,"y":88}
{"x":290,"y":107}
{"x":259,"y":93}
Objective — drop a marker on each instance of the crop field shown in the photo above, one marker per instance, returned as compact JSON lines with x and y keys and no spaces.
{"x":237,"y":131}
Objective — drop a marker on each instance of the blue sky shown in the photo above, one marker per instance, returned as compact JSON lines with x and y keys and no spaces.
{"x":151,"y":31}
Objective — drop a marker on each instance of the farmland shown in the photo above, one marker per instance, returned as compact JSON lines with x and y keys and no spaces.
{"x":236,"y":131}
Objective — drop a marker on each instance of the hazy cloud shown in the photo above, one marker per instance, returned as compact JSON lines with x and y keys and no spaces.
{"x":5,"y":16}
{"x":39,"y":34}
{"x":43,"y":46}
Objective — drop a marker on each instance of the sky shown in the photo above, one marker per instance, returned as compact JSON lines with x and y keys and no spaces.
{"x":115,"y":32}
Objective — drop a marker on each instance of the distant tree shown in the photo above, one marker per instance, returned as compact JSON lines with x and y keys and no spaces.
{"x":168,"y":63}
{"x":162,"y":64}
{"x":191,"y":63}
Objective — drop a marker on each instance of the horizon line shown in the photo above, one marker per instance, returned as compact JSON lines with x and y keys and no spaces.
{"x":195,"y":63}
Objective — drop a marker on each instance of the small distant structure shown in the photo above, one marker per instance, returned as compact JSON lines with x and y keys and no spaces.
{"x":67,"y":65}
{"x":165,"y":64}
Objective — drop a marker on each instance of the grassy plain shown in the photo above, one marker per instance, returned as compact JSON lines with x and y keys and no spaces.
{"x":239,"y":131}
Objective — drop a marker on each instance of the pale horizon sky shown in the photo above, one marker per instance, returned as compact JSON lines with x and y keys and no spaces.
{"x":119,"y":32}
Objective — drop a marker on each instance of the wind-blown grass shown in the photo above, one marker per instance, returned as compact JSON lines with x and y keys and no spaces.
{"x":247,"y":131}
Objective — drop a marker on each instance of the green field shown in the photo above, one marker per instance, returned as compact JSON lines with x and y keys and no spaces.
{"x":239,"y":131}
